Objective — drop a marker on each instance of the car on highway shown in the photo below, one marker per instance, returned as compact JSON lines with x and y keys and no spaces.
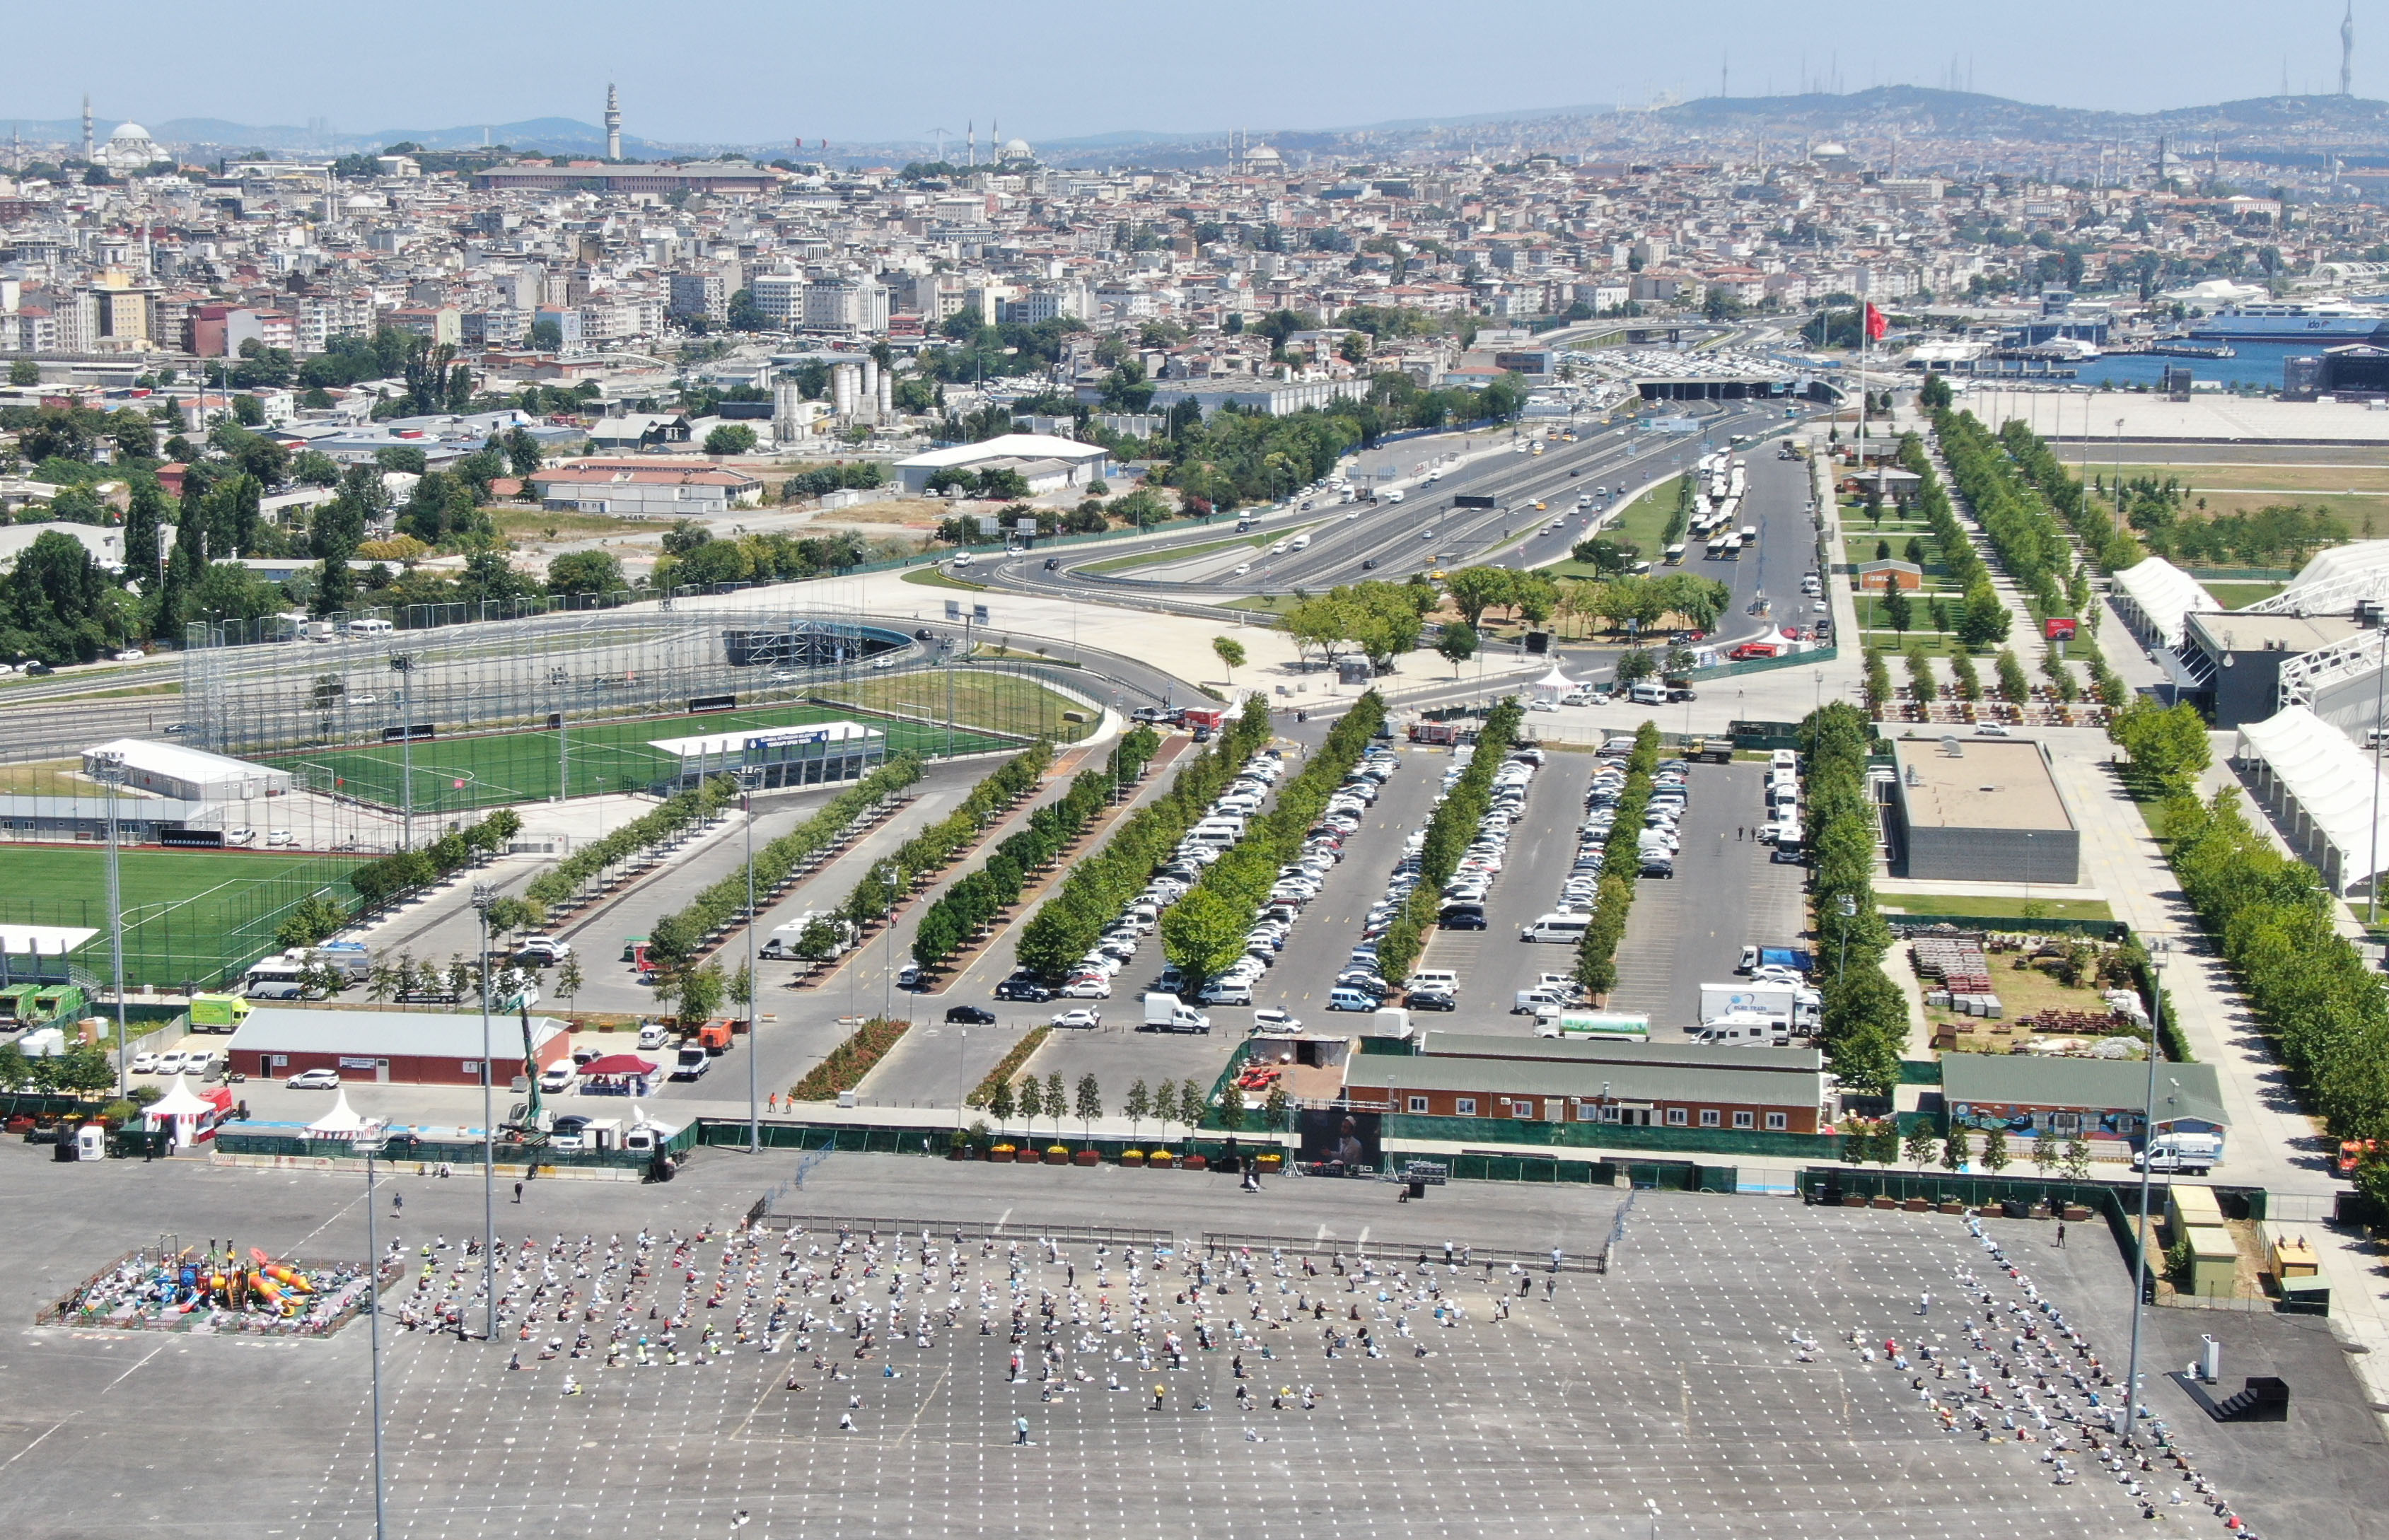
{"x":1426,"y":534}
{"x":970,"y":1015}
{"x":1240,"y":569}
{"x":314,"y":1080}
{"x":1078,"y":1016}
{"x":1369,"y":566}
{"x":131,"y":654}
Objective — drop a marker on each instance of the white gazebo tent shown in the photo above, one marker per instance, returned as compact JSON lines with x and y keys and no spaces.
{"x":1553,"y":685}
{"x":342,"y":1121}
{"x":182,"y":1112}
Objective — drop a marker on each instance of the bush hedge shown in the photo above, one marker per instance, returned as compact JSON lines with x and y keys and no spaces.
{"x":847,"y":1063}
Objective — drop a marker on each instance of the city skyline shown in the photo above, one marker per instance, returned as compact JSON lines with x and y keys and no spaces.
{"x":1170,"y":83}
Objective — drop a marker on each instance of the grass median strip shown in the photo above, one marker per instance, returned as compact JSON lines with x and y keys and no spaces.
{"x":843,"y":1068}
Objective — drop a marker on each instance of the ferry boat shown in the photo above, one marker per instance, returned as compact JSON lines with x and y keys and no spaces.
{"x":2327,"y":321}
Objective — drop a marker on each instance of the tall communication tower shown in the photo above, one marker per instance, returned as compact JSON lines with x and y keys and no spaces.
{"x":613,"y":124}
{"x":2347,"y":51}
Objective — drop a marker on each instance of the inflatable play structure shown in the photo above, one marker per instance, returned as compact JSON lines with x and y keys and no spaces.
{"x":218,"y":1287}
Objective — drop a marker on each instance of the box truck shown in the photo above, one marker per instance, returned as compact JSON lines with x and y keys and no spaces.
{"x":1798,"y":1006}
{"x":1167,"y":1013}
{"x":218,"y":1013}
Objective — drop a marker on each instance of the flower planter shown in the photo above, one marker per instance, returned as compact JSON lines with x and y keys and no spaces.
{"x":1131,"y":1157}
{"x":1160,"y":1159}
{"x":1195,"y":1163}
{"x":1001,"y":1153}
{"x":1884,"y":1199}
{"x":1086,"y":1157}
{"x":1057,"y":1157}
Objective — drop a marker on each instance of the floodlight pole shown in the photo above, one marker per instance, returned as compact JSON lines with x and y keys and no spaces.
{"x":2372,"y":868}
{"x":484,"y":895}
{"x":402,"y":664}
{"x":369,"y":1143}
{"x":748,"y":776}
{"x":2158,"y":948}
{"x":108,"y":769}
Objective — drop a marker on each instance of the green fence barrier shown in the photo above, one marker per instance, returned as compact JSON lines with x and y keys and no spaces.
{"x":1762,"y":665}
{"x":2100,"y":930}
{"x":402,"y":1151}
{"x":1611,"y":1136}
{"x":1920,"y":1072}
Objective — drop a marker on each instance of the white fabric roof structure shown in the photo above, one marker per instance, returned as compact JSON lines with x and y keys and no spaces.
{"x":178,"y":1101}
{"x":1555,"y":683}
{"x":2163,"y":595}
{"x":1005,"y":446}
{"x":42,"y":940}
{"x":2334,"y":580}
{"x":2318,"y":786}
{"x":342,"y":1121}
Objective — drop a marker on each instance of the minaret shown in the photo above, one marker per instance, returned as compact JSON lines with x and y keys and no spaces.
{"x":613,"y":124}
{"x":2347,"y":51}
{"x":86,"y":129}
{"x":973,"y":131}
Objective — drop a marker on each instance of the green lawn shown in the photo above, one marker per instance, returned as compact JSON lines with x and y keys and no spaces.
{"x":188,"y":914}
{"x":1275,"y":603}
{"x":2241,"y":595}
{"x":1993,"y":906}
{"x":1645,"y":519}
{"x":1894,"y":646}
{"x":935,"y":577}
{"x":452,"y":774}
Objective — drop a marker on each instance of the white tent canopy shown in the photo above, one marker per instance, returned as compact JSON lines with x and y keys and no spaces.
{"x":179,"y":1101}
{"x":342,"y":1121}
{"x":2318,"y":786}
{"x":1554,"y":682}
{"x":2158,"y":598}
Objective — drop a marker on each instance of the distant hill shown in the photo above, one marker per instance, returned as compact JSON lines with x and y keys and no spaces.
{"x":2284,"y":128}
{"x":1915,"y":109}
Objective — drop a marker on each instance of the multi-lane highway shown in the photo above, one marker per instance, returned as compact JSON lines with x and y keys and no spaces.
{"x":1428,"y":530}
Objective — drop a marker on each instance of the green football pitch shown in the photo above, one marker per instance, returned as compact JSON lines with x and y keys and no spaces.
{"x":188,"y":915}
{"x":490,"y":769}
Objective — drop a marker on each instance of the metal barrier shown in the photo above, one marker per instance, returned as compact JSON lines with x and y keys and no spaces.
{"x":960,"y":1230}
{"x":1465,"y":1254}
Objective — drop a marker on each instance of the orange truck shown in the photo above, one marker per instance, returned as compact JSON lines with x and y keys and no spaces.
{"x":714,"y":1035}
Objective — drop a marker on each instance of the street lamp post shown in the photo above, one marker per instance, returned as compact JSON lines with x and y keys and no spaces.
{"x":2158,"y":949}
{"x":108,"y":769}
{"x":2372,"y":868}
{"x":887,"y":958}
{"x":747,"y":779}
{"x":1847,"y":907}
{"x":485,"y":894}
{"x":368,"y":1142}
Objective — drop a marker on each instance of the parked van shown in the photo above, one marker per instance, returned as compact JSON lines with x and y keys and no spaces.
{"x":368,"y":627}
{"x":1566,"y":928}
{"x":1648,"y":694}
{"x":1441,"y":980}
{"x":1348,"y":998}
{"x":1745,"y":1029}
{"x":1784,"y":759}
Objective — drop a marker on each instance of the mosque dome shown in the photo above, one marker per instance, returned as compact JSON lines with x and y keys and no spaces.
{"x":1015,"y":149}
{"x":1828,"y":151}
{"x":128,"y":131}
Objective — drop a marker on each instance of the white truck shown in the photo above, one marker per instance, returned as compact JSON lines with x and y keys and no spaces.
{"x":690,"y":1062}
{"x":783,"y":940}
{"x":1616,"y":1025}
{"x":1799,"y":1007}
{"x":1167,"y":1013}
{"x":2193,"y":1153}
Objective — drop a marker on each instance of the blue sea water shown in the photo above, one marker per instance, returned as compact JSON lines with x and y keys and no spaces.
{"x":2258,"y":364}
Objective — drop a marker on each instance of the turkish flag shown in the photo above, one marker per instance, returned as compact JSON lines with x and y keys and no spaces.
{"x":1876,"y":326}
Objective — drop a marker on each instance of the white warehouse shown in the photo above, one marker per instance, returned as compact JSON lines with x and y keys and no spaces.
{"x":188,"y":774}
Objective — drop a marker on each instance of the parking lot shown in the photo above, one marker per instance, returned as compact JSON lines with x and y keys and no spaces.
{"x":1669,"y":1395}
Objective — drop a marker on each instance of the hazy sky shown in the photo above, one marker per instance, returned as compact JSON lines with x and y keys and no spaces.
{"x":740,"y":71}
